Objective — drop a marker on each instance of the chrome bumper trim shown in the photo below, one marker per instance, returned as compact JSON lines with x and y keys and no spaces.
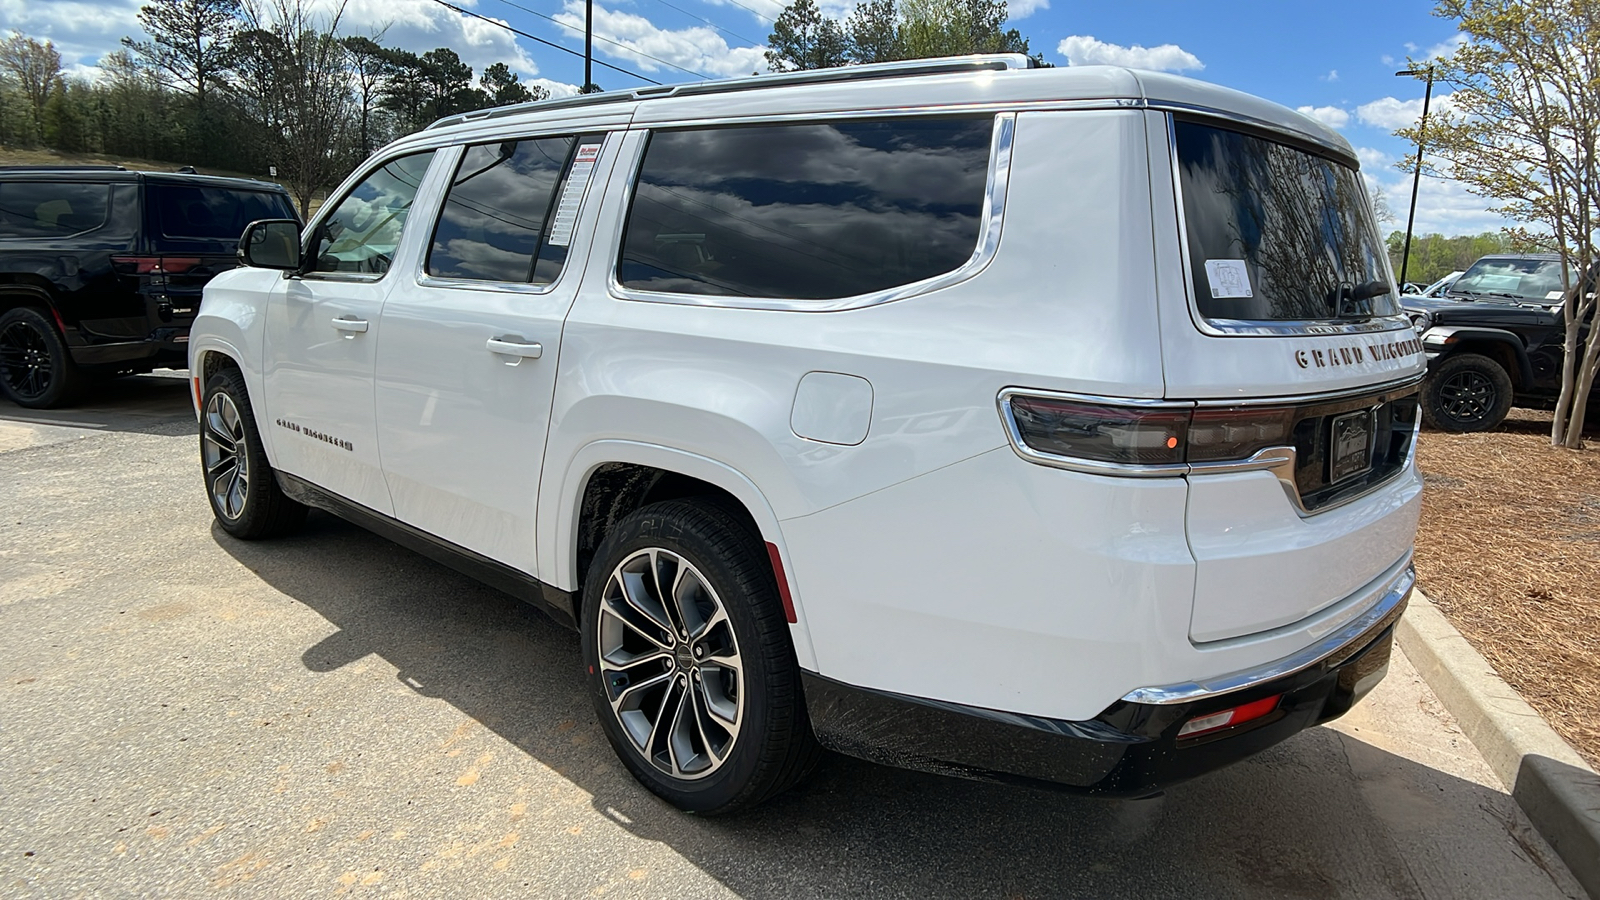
{"x":1352,"y":636}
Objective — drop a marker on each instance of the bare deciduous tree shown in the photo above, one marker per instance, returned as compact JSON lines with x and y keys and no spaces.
{"x":37,"y":69}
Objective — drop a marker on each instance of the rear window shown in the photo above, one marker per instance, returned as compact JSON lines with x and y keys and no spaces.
{"x":196,"y":212}
{"x":1512,"y":279}
{"x":807,"y":211}
{"x":1277,"y":233}
{"x":36,"y":209}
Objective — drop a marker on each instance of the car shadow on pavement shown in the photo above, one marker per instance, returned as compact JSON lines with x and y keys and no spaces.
{"x":1312,"y":817}
{"x":158,"y":404}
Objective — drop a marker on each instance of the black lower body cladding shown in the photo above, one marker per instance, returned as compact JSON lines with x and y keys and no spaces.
{"x":1130,"y":750}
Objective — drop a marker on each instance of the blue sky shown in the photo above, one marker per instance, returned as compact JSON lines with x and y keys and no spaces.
{"x":1334,"y":61}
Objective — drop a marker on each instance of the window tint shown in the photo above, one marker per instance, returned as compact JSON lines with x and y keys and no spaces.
{"x":212,"y":213}
{"x":498,"y":208}
{"x":34,"y":209}
{"x":362,"y":232}
{"x":812,"y":211}
{"x":1276,"y":232}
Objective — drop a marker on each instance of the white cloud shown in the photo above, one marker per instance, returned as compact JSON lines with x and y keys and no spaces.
{"x":1456,"y":42}
{"x":557,"y":89}
{"x":1021,"y":9}
{"x":1333,"y":75}
{"x":1391,"y":113}
{"x":699,"y":49}
{"x":1331,"y":116}
{"x":768,"y":10}
{"x":1371,"y":158}
{"x":1410,"y":47}
{"x":1083,"y":50}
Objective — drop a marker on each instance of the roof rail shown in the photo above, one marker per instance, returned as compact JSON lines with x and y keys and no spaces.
{"x":940,"y":65}
{"x":46,"y":167}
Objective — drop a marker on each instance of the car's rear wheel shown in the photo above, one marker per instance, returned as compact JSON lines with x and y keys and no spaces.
{"x":690,"y":662}
{"x":36,"y":370}
{"x":1466,"y":392}
{"x":240,"y":484}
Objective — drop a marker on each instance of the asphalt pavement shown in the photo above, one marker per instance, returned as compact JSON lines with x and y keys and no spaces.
{"x":186,"y":715}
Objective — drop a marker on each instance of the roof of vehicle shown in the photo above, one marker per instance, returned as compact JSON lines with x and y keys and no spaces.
{"x":1551,"y":256}
{"x":110,"y":174}
{"x":948,"y":84}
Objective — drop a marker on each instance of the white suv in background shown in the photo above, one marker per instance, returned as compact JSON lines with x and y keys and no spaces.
{"x":1030,"y":425}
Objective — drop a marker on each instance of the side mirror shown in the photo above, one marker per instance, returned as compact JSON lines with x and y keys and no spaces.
{"x":271,"y":244}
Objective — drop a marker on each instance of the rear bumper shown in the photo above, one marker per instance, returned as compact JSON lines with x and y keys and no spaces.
{"x":1131,"y":749}
{"x":166,"y":345}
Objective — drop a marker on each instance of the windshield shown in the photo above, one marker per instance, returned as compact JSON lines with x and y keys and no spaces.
{"x":1525,"y":278}
{"x":1277,"y":233}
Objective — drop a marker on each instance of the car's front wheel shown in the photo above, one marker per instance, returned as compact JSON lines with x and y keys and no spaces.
{"x":690,"y":662}
{"x":36,"y":370}
{"x":240,"y":482}
{"x":1466,"y":392}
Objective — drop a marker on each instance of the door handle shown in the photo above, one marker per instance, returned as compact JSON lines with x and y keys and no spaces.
{"x":351,"y":324}
{"x":514,"y":345}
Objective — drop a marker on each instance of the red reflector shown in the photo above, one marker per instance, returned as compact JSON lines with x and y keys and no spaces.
{"x":783,"y":583}
{"x":1229,"y":718}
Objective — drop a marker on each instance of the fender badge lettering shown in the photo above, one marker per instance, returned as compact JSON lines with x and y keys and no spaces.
{"x":1356,"y":354}
{"x":295,"y":427}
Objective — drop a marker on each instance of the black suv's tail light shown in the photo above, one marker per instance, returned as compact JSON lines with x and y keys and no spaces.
{"x":1148,"y":435}
{"x":154,"y":265}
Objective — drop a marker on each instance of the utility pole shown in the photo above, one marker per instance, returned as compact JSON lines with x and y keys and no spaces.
{"x":588,"y":45}
{"x":1416,"y":177}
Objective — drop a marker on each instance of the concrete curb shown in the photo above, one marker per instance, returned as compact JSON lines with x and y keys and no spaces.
{"x":1554,"y":786}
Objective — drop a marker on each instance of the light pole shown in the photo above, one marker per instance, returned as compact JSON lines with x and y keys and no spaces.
{"x":588,"y":45}
{"x":1416,"y":177}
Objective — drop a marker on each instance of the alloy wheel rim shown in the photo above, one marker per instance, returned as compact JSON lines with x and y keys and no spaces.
{"x":1467,"y":396}
{"x":222,"y":445}
{"x":25,"y":361}
{"x":670,"y":664}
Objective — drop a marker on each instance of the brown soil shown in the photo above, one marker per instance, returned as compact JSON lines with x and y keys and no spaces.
{"x":1509,"y":549}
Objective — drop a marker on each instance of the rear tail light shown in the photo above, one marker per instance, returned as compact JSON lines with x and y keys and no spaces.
{"x":1158,"y":435}
{"x":1230,"y":718}
{"x":155,"y":265}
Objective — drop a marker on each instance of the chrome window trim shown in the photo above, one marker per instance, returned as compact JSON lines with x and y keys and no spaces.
{"x":1247,"y":327}
{"x":424,"y":279}
{"x":1279,"y":460}
{"x":1392,"y":596}
{"x":992,"y":215}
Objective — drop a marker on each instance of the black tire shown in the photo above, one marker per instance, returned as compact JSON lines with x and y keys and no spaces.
{"x":240,"y":484}
{"x":36,"y":369}
{"x":774,"y":747}
{"x":1466,"y":392}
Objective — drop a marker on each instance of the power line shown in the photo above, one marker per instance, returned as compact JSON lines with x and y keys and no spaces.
{"x":518,"y":31}
{"x":726,"y":31}
{"x":760,"y":15}
{"x":597,"y":37}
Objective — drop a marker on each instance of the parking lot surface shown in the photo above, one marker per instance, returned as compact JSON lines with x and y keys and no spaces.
{"x":186,"y":715}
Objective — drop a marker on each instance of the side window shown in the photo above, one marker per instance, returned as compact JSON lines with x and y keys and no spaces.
{"x":807,"y":211}
{"x":37,"y":209}
{"x":212,"y":213}
{"x":362,"y":232}
{"x":501,"y":220}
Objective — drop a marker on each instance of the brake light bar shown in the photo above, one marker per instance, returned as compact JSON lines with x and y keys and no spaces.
{"x":1230,"y":718}
{"x":157,"y":265}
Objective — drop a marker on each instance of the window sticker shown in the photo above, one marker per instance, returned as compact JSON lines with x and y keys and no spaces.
{"x":578,"y":179}
{"x":1553,"y":295}
{"x":1229,"y":278}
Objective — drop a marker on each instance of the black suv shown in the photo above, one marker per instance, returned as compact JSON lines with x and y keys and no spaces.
{"x":101,"y":269}
{"x":1494,"y":340}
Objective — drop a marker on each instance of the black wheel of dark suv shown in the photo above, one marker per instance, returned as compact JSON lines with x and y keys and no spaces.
{"x":1466,"y":392}
{"x":689,"y":659}
{"x":36,"y":370}
{"x":240,"y":483}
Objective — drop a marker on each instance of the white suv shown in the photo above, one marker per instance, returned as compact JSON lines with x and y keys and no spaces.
{"x":1031,"y":425}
